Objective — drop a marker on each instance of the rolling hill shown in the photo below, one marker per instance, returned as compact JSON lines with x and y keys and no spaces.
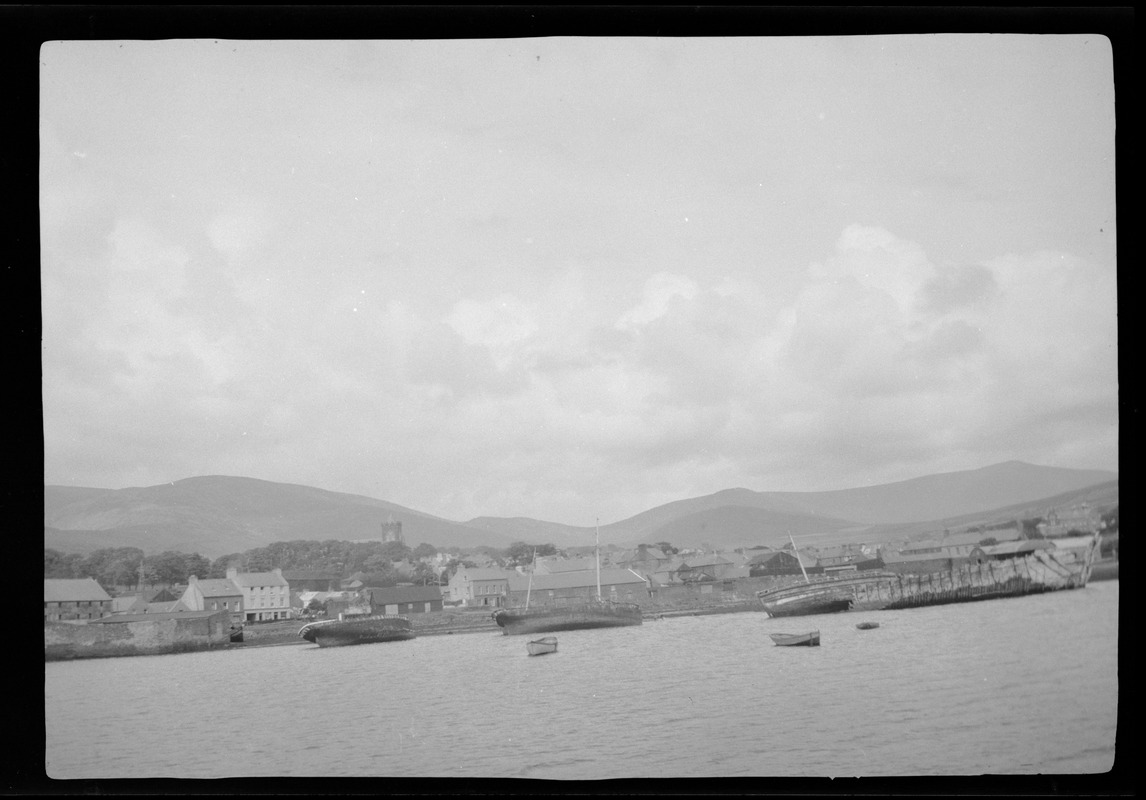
{"x":217,"y":515}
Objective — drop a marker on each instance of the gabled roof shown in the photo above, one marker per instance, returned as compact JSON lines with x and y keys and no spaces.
{"x":73,"y":590}
{"x":218,"y":587}
{"x":574,"y":580}
{"x":552,"y":566}
{"x":1013,"y":548}
{"x":486,"y":573}
{"x":1070,"y":542}
{"x":807,"y":559}
{"x":405,"y":594}
{"x":259,"y":579}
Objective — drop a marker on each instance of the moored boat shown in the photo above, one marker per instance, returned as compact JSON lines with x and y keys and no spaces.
{"x":810,"y":639}
{"x":358,"y":629}
{"x":1067,"y":565}
{"x":550,"y":619}
{"x":593,"y":613}
{"x":540,"y":647}
{"x":867,"y":626}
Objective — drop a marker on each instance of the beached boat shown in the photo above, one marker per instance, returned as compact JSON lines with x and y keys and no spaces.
{"x":811,"y":639}
{"x":593,"y":613}
{"x":357,"y":629}
{"x":1065,"y":566}
{"x":539,"y":647}
{"x":867,"y":626}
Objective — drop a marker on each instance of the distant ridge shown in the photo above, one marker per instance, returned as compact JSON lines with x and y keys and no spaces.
{"x":218,"y":515}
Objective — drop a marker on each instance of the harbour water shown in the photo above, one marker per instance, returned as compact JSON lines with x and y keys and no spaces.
{"x":1022,"y":686}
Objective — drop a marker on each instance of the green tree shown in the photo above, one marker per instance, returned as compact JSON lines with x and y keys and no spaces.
{"x":424,"y":550}
{"x":394,"y":551}
{"x":521,"y":553}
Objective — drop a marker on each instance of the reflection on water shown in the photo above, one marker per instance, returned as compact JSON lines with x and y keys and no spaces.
{"x":1020,"y":686}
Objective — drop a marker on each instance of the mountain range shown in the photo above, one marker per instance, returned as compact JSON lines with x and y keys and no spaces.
{"x":218,"y":515}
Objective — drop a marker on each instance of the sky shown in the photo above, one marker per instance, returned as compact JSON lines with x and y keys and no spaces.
{"x":576,"y":278}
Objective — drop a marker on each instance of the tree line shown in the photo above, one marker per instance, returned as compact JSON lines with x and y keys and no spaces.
{"x":130,"y":566}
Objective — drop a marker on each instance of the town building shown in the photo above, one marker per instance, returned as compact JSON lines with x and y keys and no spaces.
{"x":214,"y":594}
{"x":309,"y":580}
{"x":619,"y":585}
{"x":480,"y":586}
{"x":783,"y":562}
{"x":266,"y":595}
{"x":75,"y":600}
{"x":405,"y":599}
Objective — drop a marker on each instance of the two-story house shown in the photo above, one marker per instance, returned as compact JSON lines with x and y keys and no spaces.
{"x":75,"y":600}
{"x":214,"y":594}
{"x":480,"y":586}
{"x":266,"y":595}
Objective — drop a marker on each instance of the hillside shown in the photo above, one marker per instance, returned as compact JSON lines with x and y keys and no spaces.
{"x":217,"y":515}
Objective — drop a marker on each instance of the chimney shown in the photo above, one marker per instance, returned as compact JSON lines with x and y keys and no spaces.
{"x":232,"y":573}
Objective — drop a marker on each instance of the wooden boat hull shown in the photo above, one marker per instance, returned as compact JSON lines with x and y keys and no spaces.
{"x":362,"y":630}
{"x":1105,"y":570}
{"x":514,"y":621}
{"x":811,"y":639}
{"x":541,"y":647}
{"x":867,"y":626}
{"x":1039,"y":571}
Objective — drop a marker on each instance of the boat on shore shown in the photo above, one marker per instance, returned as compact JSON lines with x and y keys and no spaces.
{"x":1066,"y":566}
{"x":811,"y":639}
{"x":358,"y":629}
{"x":579,"y":616}
{"x":543,"y":646}
{"x":592,"y":613}
{"x":867,"y":626}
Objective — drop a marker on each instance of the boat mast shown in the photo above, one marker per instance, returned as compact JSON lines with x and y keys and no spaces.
{"x":597,"y":549}
{"x":529,"y":588}
{"x":799,"y":560}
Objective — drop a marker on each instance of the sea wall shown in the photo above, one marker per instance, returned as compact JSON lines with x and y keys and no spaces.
{"x":63,"y":641}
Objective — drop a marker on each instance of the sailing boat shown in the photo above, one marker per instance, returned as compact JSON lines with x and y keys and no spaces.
{"x":574,"y":615}
{"x":821,"y":598}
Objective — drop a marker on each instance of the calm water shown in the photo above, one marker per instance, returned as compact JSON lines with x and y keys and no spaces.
{"x":1021,"y":686}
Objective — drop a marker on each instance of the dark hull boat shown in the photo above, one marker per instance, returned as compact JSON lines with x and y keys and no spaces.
{"x":540,"y":647}
{"x":545,"y":619}
{"x":867,"y":626}
{"x":1043,"y":570}
{"x":811,"y":639}
{"x":358,"y":630}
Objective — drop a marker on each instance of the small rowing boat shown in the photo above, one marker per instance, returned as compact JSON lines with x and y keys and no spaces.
{"x":867,"y":626}
{"x":539,"y":647}
{"x":796,"y":639}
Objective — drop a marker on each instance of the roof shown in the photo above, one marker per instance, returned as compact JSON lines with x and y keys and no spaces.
{"x":485,"y":573}
{"x":572,"y":580}
{"x":1021,"y":546}
{"x":553,"y":566}
{"x":807,"y":559}
{"x":405,"y":594}
{"x":218,"y":587}
{"x":1071,"y":542}
{"x":259,"y":579}
{"x":72,"y":590}
{"x":124,"y":618}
